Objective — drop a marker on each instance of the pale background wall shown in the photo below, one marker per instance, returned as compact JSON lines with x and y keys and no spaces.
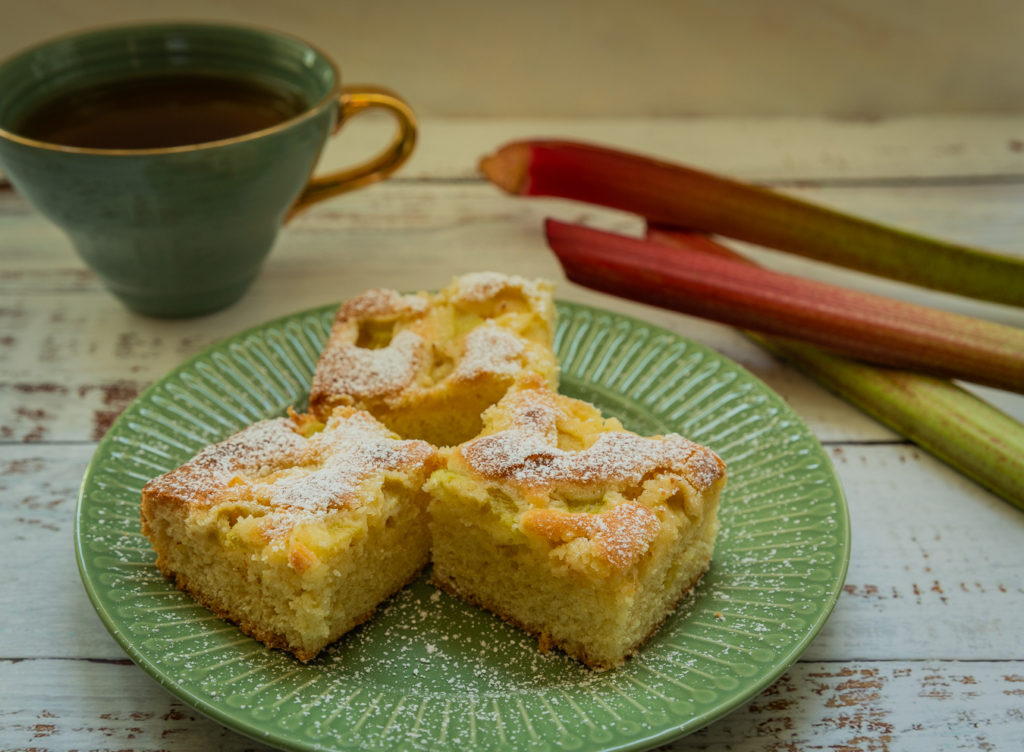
{"x":843,"y":58}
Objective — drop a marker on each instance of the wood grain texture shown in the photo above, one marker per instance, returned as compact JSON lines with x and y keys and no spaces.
{"x":923,"y":649}
{"x":63,"y":336}
{"x":788,"y":150}
{"x":855,"y":706}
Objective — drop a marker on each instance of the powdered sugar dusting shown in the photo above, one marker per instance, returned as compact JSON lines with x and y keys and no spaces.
{"x":357,"y":446}
{"x":356,"y":373}
{"x":271,"y":465}
{"x":427,"y":346}
{"x":256,"y":450}
{"x":703,"y":468}
{"x":490,"y":349}
{"x":351,"y":450}
{"x":624,"y":533}
{"x":621,"y":534}
{"x":381,"y":302}
{"x":480,"y":286}
{"x":362,"y":373}
{"x":527,"y":453}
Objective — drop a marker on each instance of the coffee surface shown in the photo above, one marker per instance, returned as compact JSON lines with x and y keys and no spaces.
{"x":159,"y":112}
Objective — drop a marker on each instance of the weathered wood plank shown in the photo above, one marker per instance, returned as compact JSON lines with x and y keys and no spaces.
{"x":929,"y":552}
{"x":440,"y":213}
{"x":763,"y":149}
{"x":860,"y":706}
{"x":77,"y":704}
{"x":62,"y":337}
{"x":65,"y":403}
{"x":769,"y":150}
{"x":418,"y":235}
{"x":75,"y":364}
{"x":934,"y":567}
{"x":414,"y":235}
{"x":876,"y":707}
{"x":46,"y":611}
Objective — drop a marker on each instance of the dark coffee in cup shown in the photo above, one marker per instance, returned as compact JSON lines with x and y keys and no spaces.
{"x":153,"y":112}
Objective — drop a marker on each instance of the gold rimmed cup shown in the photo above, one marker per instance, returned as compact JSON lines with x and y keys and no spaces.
{"x":183,"y":229}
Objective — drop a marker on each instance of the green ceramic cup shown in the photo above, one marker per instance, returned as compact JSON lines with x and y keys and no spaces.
{"x":183,"y":230}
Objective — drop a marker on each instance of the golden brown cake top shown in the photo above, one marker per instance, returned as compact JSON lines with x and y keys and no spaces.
{"x":293,"y":468}
{"x":375,"y":347}
{"x":482,"y":287}
{"x":490,"y":349}
{"x":385,"y":346}
{"x":619,"y":535}
{"x":382,"y":303}
{"x":541,"y":441}
{"x":595,"y":491}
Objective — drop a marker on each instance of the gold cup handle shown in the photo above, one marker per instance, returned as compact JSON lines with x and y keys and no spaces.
{"x":353,"y":100}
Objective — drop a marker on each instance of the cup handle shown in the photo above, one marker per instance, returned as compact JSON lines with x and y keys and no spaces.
{"x":353,"y":100}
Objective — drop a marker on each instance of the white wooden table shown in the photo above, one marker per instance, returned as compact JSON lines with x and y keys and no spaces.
{"x":925,"y":650}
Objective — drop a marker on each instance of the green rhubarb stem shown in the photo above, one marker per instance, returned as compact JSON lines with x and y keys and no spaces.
{"x":674,"y":195}
{"x":869,"y":327}
{"x":967,"y":433}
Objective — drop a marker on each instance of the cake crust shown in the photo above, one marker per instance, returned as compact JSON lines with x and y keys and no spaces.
{"x":545,"y":641}
{"x":294,"y":529}
{"x":563,"y":523}
{"x":540,"y":510}
{"x":428,"y":365}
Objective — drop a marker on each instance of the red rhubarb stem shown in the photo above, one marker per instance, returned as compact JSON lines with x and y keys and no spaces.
{"x":683,"y":197}
{"x":954,"y":425}
{"x":861,"y":325}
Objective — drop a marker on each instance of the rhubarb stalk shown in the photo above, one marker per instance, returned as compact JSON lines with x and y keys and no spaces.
{"x":674,"y":195}
{"x":960,"y":429}
{"x":869,"y":327}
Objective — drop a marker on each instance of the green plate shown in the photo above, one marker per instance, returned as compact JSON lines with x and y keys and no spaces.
{"x":430,"y":672}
